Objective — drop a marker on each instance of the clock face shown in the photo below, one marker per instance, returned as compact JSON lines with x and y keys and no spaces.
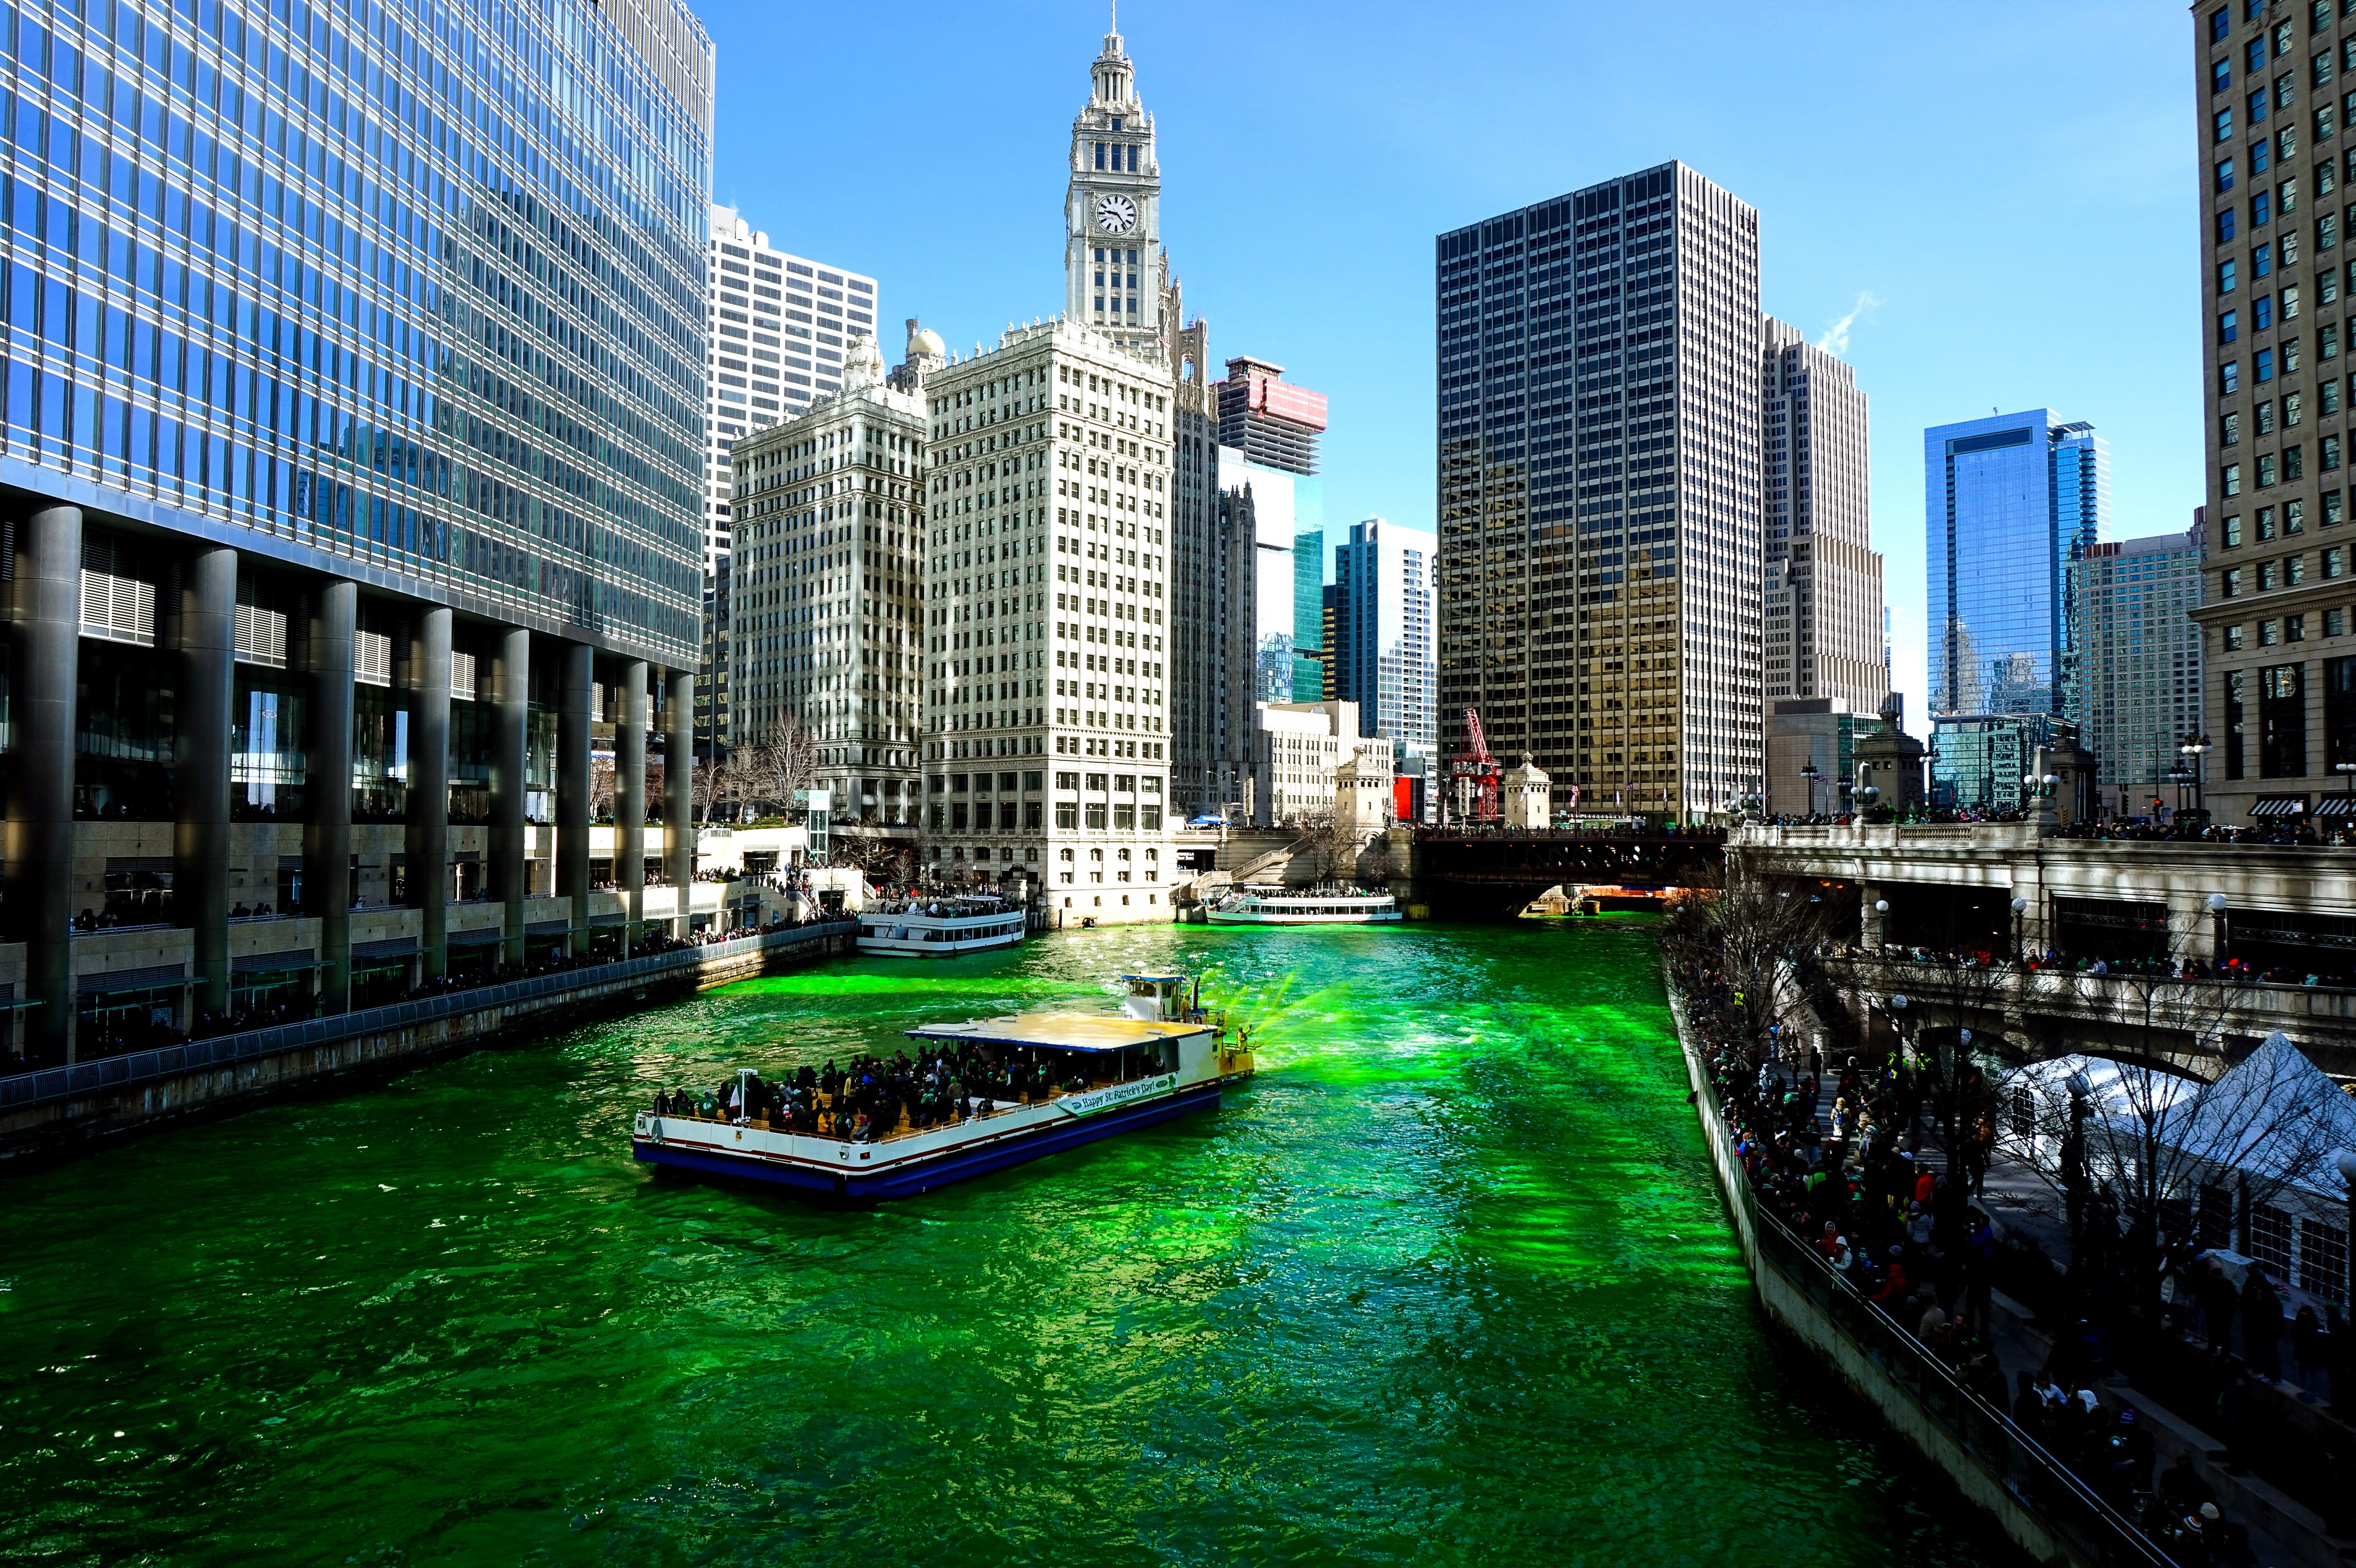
{"x":1116,"y":214}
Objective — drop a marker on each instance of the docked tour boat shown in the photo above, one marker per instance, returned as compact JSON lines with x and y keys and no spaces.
{"x":1159,"y":1058}
{"x":940,"y":927}
{"x":1303,"y":907}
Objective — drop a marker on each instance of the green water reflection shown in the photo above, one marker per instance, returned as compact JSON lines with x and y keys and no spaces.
{"x":1448,"y":1284}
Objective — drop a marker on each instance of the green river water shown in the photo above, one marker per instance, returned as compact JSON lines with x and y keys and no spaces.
{"x":1448,"y":1282}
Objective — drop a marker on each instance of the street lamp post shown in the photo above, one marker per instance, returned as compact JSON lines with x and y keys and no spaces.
{"x":2019,"y":908}
{"x":2075,"y":1175}
{"x":2195,"y":748}
{"x":1811,"y":774}
{"x":2217,"y":930}
{"x":2343,"y":1361}
{"x":1881,"y":920}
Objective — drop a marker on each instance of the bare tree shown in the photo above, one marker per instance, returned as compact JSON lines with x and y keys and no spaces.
{"x":879,"y":859}
{"x":2134,"y":1137}
{"x":601,"y":788}
{"x":1754,"y":932}
{"x":715,"y":783}
{"x":783,"y":762}
{"x":1328,"y":834}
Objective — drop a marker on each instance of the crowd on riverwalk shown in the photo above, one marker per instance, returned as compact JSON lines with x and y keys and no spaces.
{"x":1854,"y":1186}
{"x":875,"y":1097}
{"x":2233,"y":971}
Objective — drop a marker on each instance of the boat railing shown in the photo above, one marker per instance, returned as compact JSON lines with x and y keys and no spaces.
{"x":998,"y":1108}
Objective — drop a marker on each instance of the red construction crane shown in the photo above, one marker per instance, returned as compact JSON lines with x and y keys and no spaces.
{"x":1480,"y":791}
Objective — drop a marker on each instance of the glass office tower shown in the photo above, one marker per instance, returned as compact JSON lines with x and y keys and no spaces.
{"x":1383,"y":655}
{"x":351,"y":352}
{"x":2007,"y":498}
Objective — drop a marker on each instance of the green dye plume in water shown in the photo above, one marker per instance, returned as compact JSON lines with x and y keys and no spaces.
{"x":1448,"y":1284}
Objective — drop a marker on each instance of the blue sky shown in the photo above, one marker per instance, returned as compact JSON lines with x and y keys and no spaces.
{"x":2009,"y":189}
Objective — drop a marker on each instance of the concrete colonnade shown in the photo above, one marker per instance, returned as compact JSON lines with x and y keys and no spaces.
{"x":37,"y":851}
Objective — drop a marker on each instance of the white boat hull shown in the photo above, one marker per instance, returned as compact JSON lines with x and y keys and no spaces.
{"x":1269,"y":917}
{"x":910,"y":933}
{"x":909,"y":946}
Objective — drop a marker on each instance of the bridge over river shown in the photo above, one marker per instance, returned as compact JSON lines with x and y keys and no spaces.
{"x":1484,"y":875}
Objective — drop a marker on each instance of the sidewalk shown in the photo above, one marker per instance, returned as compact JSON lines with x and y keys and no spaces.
{"x":2022,"y":1207}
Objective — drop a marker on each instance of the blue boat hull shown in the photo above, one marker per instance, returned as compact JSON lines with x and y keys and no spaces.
{"x":950,"y":1165}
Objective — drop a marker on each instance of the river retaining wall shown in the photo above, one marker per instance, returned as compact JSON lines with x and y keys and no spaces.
{"x":2047,"y":1511}
{"x":61,"y":1111}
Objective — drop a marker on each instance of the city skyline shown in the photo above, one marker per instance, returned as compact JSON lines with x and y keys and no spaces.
{"x":1940,"y":344}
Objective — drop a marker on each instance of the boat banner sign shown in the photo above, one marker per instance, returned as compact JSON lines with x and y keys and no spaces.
{"x":1120,"y":1094}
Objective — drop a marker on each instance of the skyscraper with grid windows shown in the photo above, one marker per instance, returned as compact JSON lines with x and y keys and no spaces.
{"x":1600,"y":498}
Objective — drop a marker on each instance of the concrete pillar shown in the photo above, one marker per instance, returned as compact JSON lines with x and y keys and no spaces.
{"x":679,"y":789}
{"x":45,"y":649}
{"x":573,"y":720}
{"x":328,"y":789}
{"x":208,"y":638}
{"x":630,"y":800}
{"x":1870,"y":922}
{"x":510,"y":834}
{"x":428,"y":841}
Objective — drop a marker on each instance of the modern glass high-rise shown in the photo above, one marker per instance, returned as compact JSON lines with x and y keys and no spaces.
{"x":1385,"y":650}
{"x":1600,"y":500}
{"x":353,"y":407}
{"x":1312,"y":655}
{"x":2007,"y":499}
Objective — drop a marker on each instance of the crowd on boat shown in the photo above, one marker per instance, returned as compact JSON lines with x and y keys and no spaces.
{"x":1909,"y":1241}
{"x":875,"y":1097}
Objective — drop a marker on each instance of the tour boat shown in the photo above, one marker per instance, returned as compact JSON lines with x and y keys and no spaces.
{"x":1159,"y":1058}
{"x":1304,"y":907}
{"x":940,"y":928}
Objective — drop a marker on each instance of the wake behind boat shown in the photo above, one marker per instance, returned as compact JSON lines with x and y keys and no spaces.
{"x":981,"y":1095}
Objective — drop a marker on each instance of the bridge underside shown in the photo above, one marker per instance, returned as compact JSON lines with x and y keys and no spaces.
{"x":1494,"y":876}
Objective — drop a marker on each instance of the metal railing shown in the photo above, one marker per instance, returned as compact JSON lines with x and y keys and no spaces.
{"x":53,"y":1084}
{"x":2072,"y":1511}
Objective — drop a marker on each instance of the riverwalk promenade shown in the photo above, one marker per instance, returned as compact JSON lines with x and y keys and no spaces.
{"x":60,"y":1110}
{"x":2082,"y":1465}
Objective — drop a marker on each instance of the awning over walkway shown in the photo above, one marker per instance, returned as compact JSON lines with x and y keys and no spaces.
{"x":291,"y":961}
{"x":386,"y":952}
{"x":2278,"y":806}
{"x":156,"y":977}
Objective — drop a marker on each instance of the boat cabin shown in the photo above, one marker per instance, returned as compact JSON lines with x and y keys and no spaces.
{"x":1088,"y":1050}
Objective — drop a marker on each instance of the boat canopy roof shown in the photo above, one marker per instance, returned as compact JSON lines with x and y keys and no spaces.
{"x":1154,"y":979}
{"x":1060,"y":1031}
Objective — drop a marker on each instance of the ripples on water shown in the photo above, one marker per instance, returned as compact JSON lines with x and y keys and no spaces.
{"x":1448,"y":1284}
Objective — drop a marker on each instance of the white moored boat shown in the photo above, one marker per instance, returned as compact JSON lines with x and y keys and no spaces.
{"x":940,"y":928}
{"x":1304,"y":907}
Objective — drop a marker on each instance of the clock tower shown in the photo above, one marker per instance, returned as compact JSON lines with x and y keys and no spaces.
{"x":1113,"y":265}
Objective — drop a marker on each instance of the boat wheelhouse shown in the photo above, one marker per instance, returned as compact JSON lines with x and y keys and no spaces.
{"x":1093,"y":1076}
{"x":1304,"y":907}
{"x":940,"y":927}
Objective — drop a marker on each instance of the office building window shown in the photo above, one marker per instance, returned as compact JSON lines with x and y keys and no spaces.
{"x":2236,"y":692}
